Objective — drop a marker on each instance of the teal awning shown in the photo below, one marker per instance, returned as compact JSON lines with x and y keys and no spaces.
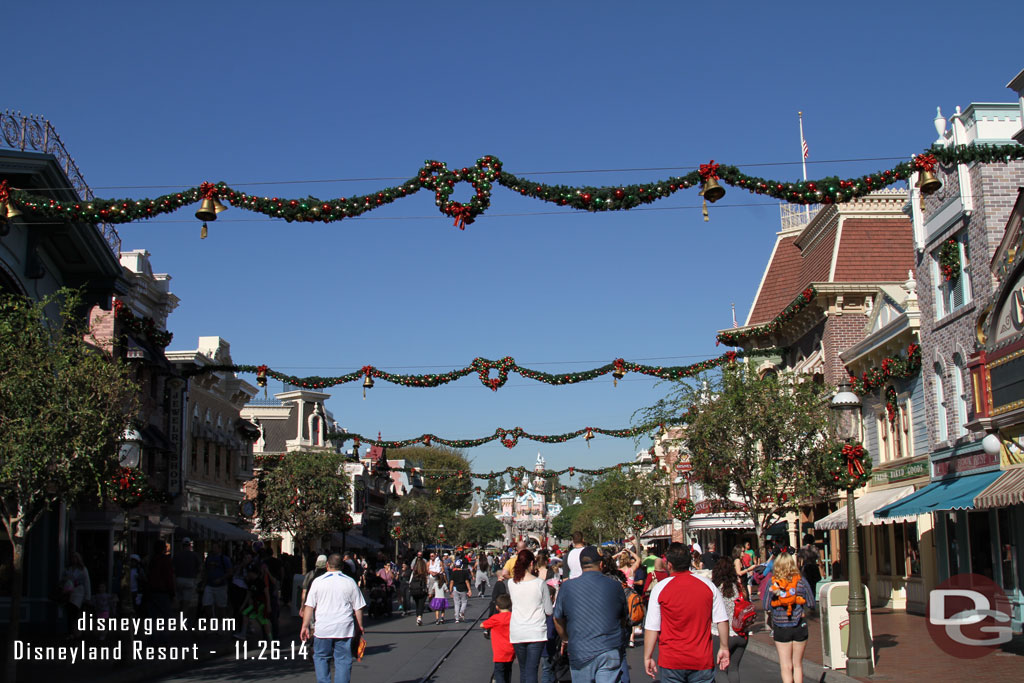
{"x":947,"y":494}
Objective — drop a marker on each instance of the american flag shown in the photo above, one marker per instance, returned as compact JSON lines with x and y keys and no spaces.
{"x":803,"y":144}
{"x":734,"y":323}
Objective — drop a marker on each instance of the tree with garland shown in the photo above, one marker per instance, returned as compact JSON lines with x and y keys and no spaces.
{"x":305,"y":494}
{"x":766,"y":440}
{"x":441,"y":468}
{"x":607,"y":512}
{"x":64,"y":405}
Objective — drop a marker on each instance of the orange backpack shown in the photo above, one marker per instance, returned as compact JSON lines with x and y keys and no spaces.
{"x":785,"y":594}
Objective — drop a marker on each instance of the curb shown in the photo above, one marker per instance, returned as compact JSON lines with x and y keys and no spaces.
{"x":812,"y":670}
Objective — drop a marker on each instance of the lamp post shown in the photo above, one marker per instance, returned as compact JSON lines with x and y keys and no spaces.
{"x":440,"y":532}
{"x":396,"y":519}
{"x":129,"y":455}
{"x":637,"y":522}
{"x":859,"y":662}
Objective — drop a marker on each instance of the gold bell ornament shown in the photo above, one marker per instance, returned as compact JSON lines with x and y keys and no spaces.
{"x":710,"y":190}
{"x":928,"y":183}
{"x":367,"y":384}
{"x":208,"y":211}
{"x":588,"y":436}
{"x":10,"y":210}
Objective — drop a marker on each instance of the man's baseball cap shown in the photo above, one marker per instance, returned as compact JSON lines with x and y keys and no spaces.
{"x":590,"y":555}
{"x":458,"y":563}
{"x":321,"y":561}
{"x":186,"y":540}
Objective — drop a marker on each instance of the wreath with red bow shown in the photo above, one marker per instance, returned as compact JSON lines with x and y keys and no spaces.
{"x":850,"y":465}
{"x":949,"y":260}
{"x":683,"y":508}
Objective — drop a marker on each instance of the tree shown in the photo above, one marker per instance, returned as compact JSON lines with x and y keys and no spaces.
{"x":305,"y":494}
{"x":607,"y":512}
{"x":63,"y":406}
{"x":441,"y":474}
{"x":561,"y":526}
{"x":491,"y":501}
{"x":763,"y":440}
{"x":482,"y":529}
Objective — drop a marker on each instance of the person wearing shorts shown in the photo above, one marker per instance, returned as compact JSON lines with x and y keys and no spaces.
{"x":786,"y":599}
{"x":216,"y":574}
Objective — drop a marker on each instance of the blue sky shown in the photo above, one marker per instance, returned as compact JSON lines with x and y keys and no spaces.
{"x":172,"y":94}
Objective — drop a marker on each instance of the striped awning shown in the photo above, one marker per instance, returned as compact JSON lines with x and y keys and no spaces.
{"x":1005,"y":491}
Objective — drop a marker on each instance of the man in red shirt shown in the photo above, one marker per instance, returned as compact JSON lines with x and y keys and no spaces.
{"x":679,"y":617}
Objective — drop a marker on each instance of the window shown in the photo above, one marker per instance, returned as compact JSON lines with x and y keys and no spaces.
{"x":195,"y":456}
{"x":961,"y":394}
{"x":941,"y":428}
{"x":1007,"y":550}
{"x":883,"y":555}
{"x":952,"y":544}
{"x":216,"y":460}
{"x":953,"y":294}
{"x":908,"y":550}
{"x":206,"y":458}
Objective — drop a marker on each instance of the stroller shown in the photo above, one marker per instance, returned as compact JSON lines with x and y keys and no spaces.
{"x":379,"y":600}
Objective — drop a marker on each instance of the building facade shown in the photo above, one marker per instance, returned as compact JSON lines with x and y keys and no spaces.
{"x":525,"y":510}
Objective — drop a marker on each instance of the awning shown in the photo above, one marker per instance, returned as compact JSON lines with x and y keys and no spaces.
{"x":946,"y":494}
{"x":354,"y":540}
{"x":721,"y":520}
{"x":865,"y":507}
{"x":211,"y":528}
{"x":1005,"y":491}
{"x":663,"y":531}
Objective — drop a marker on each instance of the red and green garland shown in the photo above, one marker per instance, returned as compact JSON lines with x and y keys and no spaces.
{"x":141,"y":325}
{"x":892,"y":408}
{"x":436,"y":177}
{"x":772,"y":326}
{"x":905,"y":367}
{"x":509,"y":437}
{"x":483,"y":368}
{"x":949,"y":260}
{"x":128,"y":487}
{"x":850,"y":465}
{"x":683,"y":509}
{"x":396,"y":531}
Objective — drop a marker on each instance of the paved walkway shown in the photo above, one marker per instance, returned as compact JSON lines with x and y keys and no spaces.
{"x":905,"y":652}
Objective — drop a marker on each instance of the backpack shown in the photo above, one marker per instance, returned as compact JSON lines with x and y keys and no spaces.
{"x":743,"y":615}
{"x":417,"y":586}
{"x":636,"y":608}
{"x":785,"y":594}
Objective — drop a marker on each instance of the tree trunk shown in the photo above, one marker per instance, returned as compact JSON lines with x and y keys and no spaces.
{"x":300,"y":543}
{"x":17,"y":572}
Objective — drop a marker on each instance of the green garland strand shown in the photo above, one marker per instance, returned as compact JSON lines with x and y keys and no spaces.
{"x":905,"y":367}
{"x":483,"y":367}
{"x":435,"y":176}
{"x":509,"y":437}
{"x":850,"y":465}
{"x":788,"y":313}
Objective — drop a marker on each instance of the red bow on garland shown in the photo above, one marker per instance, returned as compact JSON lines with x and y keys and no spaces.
{"x":926,"y":162}
{"x":5,"y":192}
{"x":854,"y":455}
{"x":731,"y":355}
{"x":463,"y":216}
{"x":207,"y":190}
{"x":709,"y":170}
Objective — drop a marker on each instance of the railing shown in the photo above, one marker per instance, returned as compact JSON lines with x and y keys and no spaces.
{"x":797,"y":216}
{"x":34,"y":133}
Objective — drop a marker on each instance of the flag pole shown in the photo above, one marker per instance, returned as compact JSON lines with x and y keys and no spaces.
{"x":803,"y":159}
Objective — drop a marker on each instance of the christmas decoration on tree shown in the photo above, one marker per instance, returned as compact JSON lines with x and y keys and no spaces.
{"x":849,"y":465}
{"x":683,"y":509}
{"x":143,"y":326}
{"x":483,"y":368}
{"x":892,"y":368}
{"x":788,"y":313}
{"x":949,"y":260}
{"x":487,"y":172}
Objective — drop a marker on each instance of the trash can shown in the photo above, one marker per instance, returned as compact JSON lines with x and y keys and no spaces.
{"x":835,"y":622}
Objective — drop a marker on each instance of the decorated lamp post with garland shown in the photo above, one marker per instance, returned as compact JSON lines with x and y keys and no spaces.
{"x":851,"y":469}
{"x":396,"y":530}
{"x":683,"y":509}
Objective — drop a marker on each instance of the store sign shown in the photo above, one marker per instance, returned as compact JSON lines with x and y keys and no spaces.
{"x":705,"y":507}
{"x":684,"y":466}
{"x":1010,"y":320}
{"x":964,"y":463}
{"x":1006,"y":380}
{"x":894,"y":474}
{"x":174,"y":464}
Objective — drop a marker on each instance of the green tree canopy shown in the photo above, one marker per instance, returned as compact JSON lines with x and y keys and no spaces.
{"x":607,"y":512}
{"x":63,"y":407}
{"x":441,"y":466}
{"x":561,"y":526}
{"x":305,"y":494}
{"x":763,"y":440}
{"x":482,"y":529}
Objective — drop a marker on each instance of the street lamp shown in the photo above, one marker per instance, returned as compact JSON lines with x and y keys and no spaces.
{"x":129,"y":455}
{"x":440,"y":532}
{"x":638,"y":519}
{"x":130,"y":452}
{"x":846,"y":407}
{"x":396,"y":519}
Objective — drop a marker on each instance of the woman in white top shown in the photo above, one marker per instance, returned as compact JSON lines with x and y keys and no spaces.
{"x":531,"y":605}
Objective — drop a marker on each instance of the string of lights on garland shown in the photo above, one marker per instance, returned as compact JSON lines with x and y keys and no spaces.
{"x":483,"y":368}
{"x":509,"y":438}
{"x":141,"y":325}
{"x":683,"y":509}
{"x":900,"y":367}
{"x":788,"y":313}
{"x":435,"y":176}
{"x":128,"y":487}
{"x":850,"y":465}
{"x":891,"y":406}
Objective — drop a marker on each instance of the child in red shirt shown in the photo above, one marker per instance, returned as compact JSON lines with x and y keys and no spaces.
{"x":500,"y":645}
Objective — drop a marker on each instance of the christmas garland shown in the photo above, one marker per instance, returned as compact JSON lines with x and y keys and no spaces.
{"x":435,"y":176}
{"x":798,"y":304}
{"x":509,"y":437}
{"x":892,"y":409}
{"x":850,"y":465}
{"x":949,"y":260}
{"x":141,"y":325}
{"x":483,"y":367}
{"x":683,"y":509}
{"x":128,"y":487}
{"x":904,"y":367}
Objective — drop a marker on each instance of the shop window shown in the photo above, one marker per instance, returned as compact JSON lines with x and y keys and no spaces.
{"x":961,"y":397}
{"x":953,"y":294}
{"x":908,"y":549}
{"x":941,"y":428}
{"x":194,"y":467}
{"x":883,"y":554}
{"x":952,"y":544}
{"x":206,"y":459}
{"x":980,"y":537}
{"x":216,"y":461}
{"x":1007,"y":550}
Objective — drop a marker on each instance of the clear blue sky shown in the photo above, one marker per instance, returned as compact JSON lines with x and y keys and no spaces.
{"x":172,"y":94}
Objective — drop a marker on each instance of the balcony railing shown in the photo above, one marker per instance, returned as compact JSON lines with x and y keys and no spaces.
{"x":34,"y":133}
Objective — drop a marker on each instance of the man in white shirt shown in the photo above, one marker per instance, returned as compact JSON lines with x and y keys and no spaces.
{"x":337,"y":603}
{"x":572,"y":561}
